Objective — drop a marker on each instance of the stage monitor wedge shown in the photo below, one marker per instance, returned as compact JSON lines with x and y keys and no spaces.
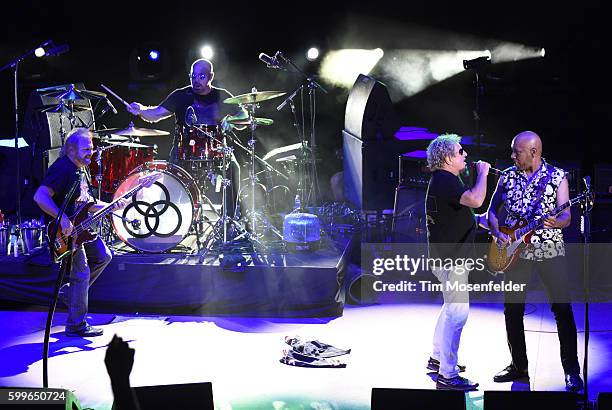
{"x":193,"y":396}
{"x":416,"y":399}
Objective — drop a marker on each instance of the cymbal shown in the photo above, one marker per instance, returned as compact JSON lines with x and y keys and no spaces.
{"x":73,"y":94}
{"x":127,"y":144}
{"x":132,"y":131}
{"x":109,"y":138}
{"x":247,"y":121}
{"x":62,"y":108}
{"x":253,"y":98}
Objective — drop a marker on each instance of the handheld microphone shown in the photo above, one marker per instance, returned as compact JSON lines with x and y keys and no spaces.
{"x":492,"y":170}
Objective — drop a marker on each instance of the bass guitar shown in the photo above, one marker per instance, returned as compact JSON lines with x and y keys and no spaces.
{"x":82,"y":220}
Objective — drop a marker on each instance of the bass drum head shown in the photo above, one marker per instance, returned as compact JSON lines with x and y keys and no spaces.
{"x":162,"y":214}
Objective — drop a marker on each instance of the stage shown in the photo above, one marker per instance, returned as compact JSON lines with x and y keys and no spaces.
{"x":240,"y":356}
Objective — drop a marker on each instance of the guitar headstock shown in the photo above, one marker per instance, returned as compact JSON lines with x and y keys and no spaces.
{"x":148,"y":180}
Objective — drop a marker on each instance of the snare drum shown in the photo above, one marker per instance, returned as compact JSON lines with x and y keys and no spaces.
{"x":197,"y":143}
{"x":118,"y":160}
{"x":164,"y":212}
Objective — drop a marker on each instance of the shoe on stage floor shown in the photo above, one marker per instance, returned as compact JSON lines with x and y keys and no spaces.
{"x":88,"y":331}
{"x":509,"y":374}
{"x":573,"y":382}
{"x":455,"y":383}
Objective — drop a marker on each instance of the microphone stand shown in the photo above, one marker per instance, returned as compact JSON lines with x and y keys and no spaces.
{"x":586,"y":207}
{"x":66,"y":265}
{"x":15,"y":66}
{"x":314,"y":192}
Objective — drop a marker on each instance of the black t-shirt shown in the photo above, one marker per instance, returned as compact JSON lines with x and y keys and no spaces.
{"x":208,"y":109}
{"x":448,"y":222}
{"x":60,"y":177}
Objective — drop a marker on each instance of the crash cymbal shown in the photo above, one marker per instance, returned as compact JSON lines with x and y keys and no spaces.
{"x":127,"y":144}
{"x":253,"y":98}
{"x":132,"y":131}
{"x":109,"y":137}
{"x":73,"y":94}
{"x":62,"y":108}
{"x":247,"y":121}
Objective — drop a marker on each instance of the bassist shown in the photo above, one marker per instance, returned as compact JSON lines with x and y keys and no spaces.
{"x":90,"y":258}
{"x":531,"y":189}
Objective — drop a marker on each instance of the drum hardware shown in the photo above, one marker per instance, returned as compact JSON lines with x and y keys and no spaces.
{"x":249,"y":102}
{"x":313,"y":185}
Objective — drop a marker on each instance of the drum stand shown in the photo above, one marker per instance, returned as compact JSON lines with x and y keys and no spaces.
{"x":221,"y":229}
{"x":255,"y":216}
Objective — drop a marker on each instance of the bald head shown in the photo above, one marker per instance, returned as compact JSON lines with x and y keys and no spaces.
{"x":529,"y":140}
{"x":527,"y":150}
{"x":201,"y":76}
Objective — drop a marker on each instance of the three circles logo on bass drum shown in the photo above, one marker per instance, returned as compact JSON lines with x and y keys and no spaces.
{"x":152,"y":213}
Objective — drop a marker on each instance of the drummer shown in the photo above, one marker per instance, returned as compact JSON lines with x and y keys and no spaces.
{"x":199,"y":103}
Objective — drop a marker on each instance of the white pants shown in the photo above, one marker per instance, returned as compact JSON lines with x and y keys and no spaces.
{"x":451,"y":319}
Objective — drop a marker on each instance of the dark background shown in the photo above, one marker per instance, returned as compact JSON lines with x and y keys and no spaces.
{"x":564,"y":96}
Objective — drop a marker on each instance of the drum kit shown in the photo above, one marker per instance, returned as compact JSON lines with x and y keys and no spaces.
{"x":160,"y":217}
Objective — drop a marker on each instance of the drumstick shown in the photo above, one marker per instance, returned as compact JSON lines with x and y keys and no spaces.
{"x":114,"y":95}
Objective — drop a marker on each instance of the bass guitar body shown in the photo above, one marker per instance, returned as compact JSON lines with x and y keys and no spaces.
{"x":61,"y":245}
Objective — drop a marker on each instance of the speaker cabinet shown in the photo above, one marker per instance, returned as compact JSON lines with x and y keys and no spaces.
{"x":512,"y":400}
{"x":415,"y":399}
{"x":409,"y":220}
{"x":369,"y":112}
{"x":193,"y":396}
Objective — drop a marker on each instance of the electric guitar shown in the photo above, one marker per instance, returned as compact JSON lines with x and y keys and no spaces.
{"x":501,"y":258}
{"x":82,"y":221}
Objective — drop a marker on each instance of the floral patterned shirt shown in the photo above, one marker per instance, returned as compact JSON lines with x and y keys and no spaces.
{"x":521,"y":194}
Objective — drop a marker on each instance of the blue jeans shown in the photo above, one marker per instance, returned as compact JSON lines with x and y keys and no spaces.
{"x":88,"y":262}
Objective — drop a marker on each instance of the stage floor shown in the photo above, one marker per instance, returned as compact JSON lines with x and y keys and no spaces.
{"x":240,"y":356}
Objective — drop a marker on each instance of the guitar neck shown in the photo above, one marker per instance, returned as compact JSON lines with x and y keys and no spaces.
{"x":108,"y":208}
{"x":538,"y":223}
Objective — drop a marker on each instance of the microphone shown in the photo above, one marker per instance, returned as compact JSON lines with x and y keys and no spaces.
{"x":56,"y":50}
{"x":271,"y":62}
{"x":110,"y":105}
{"x":492,"y":170}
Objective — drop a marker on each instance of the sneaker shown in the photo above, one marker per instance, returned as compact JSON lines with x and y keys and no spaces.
{"x":88,"y":331}
{"x":434,"y":365}
{"x":455,"y":383}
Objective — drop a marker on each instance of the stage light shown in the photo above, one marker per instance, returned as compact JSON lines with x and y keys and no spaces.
{"x":341,"y":67}
{"x":39,"y":52}
{"x":312,"y":54}
{"x":153,"y":55}
{"x":542,"y":52}
{"x":207,"y":52}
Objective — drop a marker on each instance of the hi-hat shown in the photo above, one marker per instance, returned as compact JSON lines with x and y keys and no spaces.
{"x":132,"y":131}
{"x":247,"y":121}
{"x":253,"y":98}
{"x":73,"y":94}
{"x":62,"y":108}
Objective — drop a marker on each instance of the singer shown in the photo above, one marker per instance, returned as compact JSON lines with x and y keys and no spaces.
{"x":531,"y":189}
{"x":198,"y":103}
{"x":451,"y":227}
{"x":90,"y":258}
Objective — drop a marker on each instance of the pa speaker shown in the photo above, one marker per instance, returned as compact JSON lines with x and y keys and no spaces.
{"x":512,"y":400}
{"x":193,"y":396}
{"x":409,"y":220}
{"x":415,"y":399}
{"x":369,"y":114}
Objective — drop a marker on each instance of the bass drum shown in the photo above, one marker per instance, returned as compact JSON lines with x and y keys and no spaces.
{"x":159,"y":217}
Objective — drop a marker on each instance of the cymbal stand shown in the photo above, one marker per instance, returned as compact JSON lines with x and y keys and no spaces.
{"x":250,"y":108}
{"x":314,"y":192}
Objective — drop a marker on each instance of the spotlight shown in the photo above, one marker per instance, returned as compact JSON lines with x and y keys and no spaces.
{"x":207,"y":52}
{"x":153,"y":55}
{"x":148,"y":62}
{"x":312,"y":54}
{"x":476,"y":63}
{"x":342,"y":67}
{"x":542,"y":52}
{"x":39,"y":52}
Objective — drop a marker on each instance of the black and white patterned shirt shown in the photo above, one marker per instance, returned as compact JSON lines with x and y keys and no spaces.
{"x":520,"y":195}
